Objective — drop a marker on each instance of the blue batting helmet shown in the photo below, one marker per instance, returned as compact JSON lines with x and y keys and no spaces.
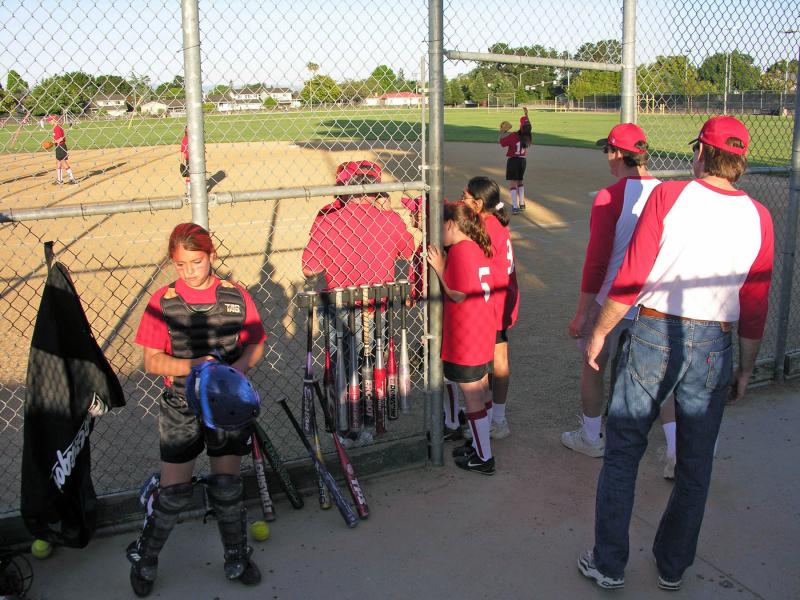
{"x":221,"y":396}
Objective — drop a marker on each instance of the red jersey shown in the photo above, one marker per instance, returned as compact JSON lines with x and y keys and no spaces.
{"x":153,"y":332}
{"x":504,"y":273}
{"x":185,"y":147}
{"x":513,"y":143}
{"x":469,"y":329}
{"x":59,"y":137}
{"x":357,"y":244}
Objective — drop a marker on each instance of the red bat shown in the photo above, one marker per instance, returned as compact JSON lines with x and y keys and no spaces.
{"x":391,"y":366}
{"x":379,"y":371}
{"x":267,"y":508}
{"x":347,"y":467}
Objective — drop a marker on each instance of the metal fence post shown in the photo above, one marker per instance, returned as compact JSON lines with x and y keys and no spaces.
{"x":435,"y":199}
{"x":194,"y":111}
{"x":628,"y":62}
{"x":789,"y":245}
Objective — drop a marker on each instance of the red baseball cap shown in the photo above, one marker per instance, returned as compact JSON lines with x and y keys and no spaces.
{"x":412,"y":204}
{"x":347,"y":170}
{"x":52,"y":119}
{"x":625,"y":136}
{"x":718,"y":130}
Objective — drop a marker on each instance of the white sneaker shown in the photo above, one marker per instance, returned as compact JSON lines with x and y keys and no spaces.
{"x":576,"y":440}
{"x":669,"y":468}
{"x":499,"y":430}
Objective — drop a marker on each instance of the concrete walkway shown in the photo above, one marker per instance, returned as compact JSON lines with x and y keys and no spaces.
{"x":442,"y":533}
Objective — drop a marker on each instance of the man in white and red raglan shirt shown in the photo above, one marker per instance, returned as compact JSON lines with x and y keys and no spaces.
{"x":615,"y":211}
{"x":700,"y":260}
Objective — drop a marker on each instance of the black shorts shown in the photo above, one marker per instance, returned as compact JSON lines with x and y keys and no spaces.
{"x":501,"y":336}
{"x":465,"y":374}
{"x":182,"y":436}
{"x":184,"y":169}
{"x":61,"y":153}
{"x":515,"y":168}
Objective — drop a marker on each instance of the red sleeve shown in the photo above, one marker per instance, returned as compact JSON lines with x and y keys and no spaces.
{"x":645,"y":243}
{"x":185,"y":148}
{"x":152,"y":332}
{"x":606,"y":210}
{"x":508,"y":140}
{"x":754,"y":293}
{"x":313,"y":252}
{"x":252,"y":328}
{"x":405,"y":241}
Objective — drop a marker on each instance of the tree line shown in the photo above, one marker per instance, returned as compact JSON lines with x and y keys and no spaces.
{"x":673,"y":74}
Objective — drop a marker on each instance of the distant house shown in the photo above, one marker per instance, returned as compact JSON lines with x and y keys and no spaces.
{"x":395,"y":99}
{"x":170,"y":108}
{"x":249,"y":98}
{"x":113,"y":104}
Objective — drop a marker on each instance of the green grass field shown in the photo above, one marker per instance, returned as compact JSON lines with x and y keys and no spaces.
{"x":668,"y":134}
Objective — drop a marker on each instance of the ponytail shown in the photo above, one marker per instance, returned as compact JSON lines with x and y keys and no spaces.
{"x":487,"y":190}
{"x":470,"y":223}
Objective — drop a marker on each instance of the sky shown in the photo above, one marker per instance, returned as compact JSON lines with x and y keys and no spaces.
{"x":272,"y":41}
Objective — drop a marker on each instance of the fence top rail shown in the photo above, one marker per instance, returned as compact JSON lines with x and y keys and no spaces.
{"x":172,"y":203}
{"x":688,"y":172}
{"x":531,"y":60}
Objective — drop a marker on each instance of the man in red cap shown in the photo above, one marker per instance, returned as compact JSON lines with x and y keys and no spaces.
{"x":699,"y":260}
{"x":353,"y":241}
{"x":615,"y":211}
{"x":62,"y":154}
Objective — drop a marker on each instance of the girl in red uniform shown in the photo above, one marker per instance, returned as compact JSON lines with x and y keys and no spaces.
{"x":184,"y":164}
{"x":469,"y":325}
{"x":483,"y":196}
{"x":183,"y":324}
{"x":516,"y":145}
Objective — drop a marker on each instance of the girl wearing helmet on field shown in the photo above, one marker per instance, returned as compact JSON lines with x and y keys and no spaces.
{"x":183,"y":325}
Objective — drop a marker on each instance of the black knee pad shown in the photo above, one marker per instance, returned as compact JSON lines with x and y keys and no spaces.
{"x":225,"y":490}
{"x":174,"y":498}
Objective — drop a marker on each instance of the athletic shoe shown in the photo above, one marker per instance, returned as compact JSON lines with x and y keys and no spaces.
{"x":523,"y":206}
{"x":587,"y":568}
{"x":143,"y":570}
{"x":670,"y":586}
{"x":499,"y":430}
{"x":669,"y":468}
{"x":472,"y":462}
{"x":251,"y":575}
{"x":464,"y":449}
{"x":576,"y":440}
{"x":74,"y":181}
{"x":452,"y":435}
{"x":57,"y":182}
{"x":514,"y":211}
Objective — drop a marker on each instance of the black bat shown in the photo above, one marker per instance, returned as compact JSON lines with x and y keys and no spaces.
{"x":328,"y":385}
{"x":391,"y":366}
{"x":341,"y":375}
{"x":350,"y":517}
{"x":267,"y":508}
{"x":347,"y":468}
{"x":307,"y":405}
{"x":404,"y":367}
{"x":353,"y":390}
{"x":276,"y":462}
{"x":379,"y":371}
{"x":367,"y":380}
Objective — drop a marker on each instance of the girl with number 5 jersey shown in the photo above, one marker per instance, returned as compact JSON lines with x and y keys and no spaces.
{"x":483,"y":196}
{"x":469,"y":325}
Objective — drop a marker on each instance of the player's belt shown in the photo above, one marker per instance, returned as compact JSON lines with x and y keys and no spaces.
{"x":657,"y":314}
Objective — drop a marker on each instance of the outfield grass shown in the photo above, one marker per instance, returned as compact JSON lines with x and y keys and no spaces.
{"x":668,"y":133}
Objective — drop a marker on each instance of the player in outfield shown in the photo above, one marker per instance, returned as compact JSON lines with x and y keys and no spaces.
{"x":468,"y":331}
{"x":615,"y":211}
{"x":699,"y":261}
{"x":516,"y":145}
{"x":62,"y":154}
{"x":183,"y":324}
{"x":483,"y":196}
{"x":184,"y":163}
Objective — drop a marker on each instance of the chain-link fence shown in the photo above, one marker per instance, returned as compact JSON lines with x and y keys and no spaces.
{"x":286,"y":93}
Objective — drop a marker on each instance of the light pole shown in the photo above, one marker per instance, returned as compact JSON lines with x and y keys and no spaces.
{"x":519,"y":77}
{"x":725,"y":90}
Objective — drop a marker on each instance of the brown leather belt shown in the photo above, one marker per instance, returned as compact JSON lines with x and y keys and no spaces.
{"x":657,"y":314}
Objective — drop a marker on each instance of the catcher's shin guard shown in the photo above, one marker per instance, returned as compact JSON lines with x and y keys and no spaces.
{"x":226,"y":494}
{"x":143,"y":552}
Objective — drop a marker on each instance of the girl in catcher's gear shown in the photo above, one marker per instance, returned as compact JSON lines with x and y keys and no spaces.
{"x":184,"y":324}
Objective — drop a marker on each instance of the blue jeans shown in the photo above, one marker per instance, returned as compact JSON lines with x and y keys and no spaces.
{"x":694,"y":360}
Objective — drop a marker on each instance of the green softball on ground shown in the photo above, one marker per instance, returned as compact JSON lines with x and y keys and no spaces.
{"x":259,"y":530}
{"x":41,"y":549}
